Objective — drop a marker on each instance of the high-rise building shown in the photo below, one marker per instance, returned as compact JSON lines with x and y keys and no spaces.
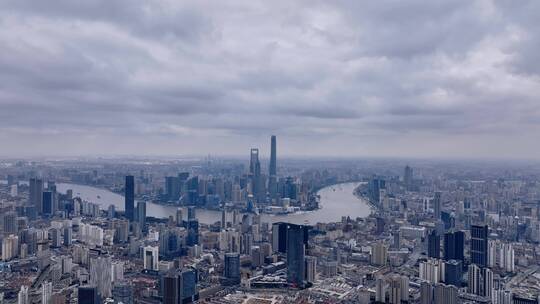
{"x":150,"y":257}
{"x":426,"y":293}
{"x":193,"y":232}
{"x":141,"y":213}
{"x":445,"y":294}
{"x":398,"y":289}
{"x":273,"y":157}
{"x":501,"y":297}
{"x":188,"y":285}
{"x":479,"y":245}
{"x":437,"y":205}
{"x":88,"y":295}
{"x":48,"y":203}
{"x":171,"y":288}
{"x":46,"y":293}
{"x":36,"y":194}
{"x":191,"y":213}
{"x":68,"y":236}
{"x":380,"y":290}
{"x":22,"y":297}
{"x":123,"y":292}
{"x":56,"y":237}
{"x":453,"y":271}
{"x":296,"y":255}
{"x":257,"y":184}
{"x":231,"y":270}
{"x":454,"y":246}
{"x":10,"y":223}
{"x":311,"y":269}
{"x":279,"y":237}
{"x":408,"y":178}
{"x":130,"y":197}
{"x":379,"y":254}
{"x":480,"y":281}
{"x":506,"y":257}
{"x":434,"y":244}
{"x":100,"y":275}
{"x":272,"y":170}
{"x":431,"y":270}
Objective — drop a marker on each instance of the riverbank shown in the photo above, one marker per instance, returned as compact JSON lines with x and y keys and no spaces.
{"x":335,"y":201}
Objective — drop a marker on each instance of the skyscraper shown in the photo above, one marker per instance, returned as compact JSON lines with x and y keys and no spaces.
{"x":408,"y":178}
{"x":88,"y":295}
{"x":279,"y":237}
{"x":171,"y":288}
{"x":231,"y":270}
{"x":273,"y":157}
{"x":130,"y":197}
{"x":150,"y":257}
{"x":272,"y":170}
{"x":437,"y":205}
{"x":479,"y":245}
{"x":434,"y":245}
{"x":454,"y":243}
{"x":257,"y":186}
{"x":36,"y":194}
{"x":141,"y":213}
{"x":295,"y":255}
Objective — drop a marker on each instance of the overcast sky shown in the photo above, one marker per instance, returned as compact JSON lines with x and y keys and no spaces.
{"x":455,"y":78}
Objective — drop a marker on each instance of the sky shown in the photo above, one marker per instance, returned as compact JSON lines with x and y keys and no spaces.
{"x":450,"y":79}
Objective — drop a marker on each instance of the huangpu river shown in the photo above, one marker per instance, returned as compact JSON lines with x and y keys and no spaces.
{"x":335,"y":201}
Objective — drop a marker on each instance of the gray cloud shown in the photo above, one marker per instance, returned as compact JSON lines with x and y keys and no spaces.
{"x":444,"y":78}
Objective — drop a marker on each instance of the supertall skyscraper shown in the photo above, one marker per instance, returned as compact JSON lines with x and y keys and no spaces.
{"x":130,"y":197}
{"x":257,"y":184}
{"x":273,"y":156}
{"x":272,"y":181}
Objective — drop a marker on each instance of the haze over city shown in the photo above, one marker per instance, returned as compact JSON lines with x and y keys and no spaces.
{"x":449,"y":79}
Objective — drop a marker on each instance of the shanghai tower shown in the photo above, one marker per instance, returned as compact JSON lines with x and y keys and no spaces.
{"x":273,"y":164}
{"x":272,"y":181}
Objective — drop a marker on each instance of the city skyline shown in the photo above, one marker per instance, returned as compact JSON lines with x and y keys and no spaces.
{"x":329,"y":79}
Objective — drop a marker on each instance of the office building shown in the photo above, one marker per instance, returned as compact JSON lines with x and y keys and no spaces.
{"x":141,"y":213}
{"x":171,"y":288}
{"x":150,"y":258}
{"x":88,"y":295}
{"x":296,"y":255}
{"x":408,"y":178}
{"x":437,"y":205}
{"x":379,"y":254}
{"x":129,"y":197}
{"x":434,"y":245}
{"x":272,"y":169}
{"x":122,"y":292}
{"x":188,"y":286}
{"x":453,"y":272}
{"x":36,"y":194}
{"x":231,"y":270}
{"x":454,"y":246}
{"x":479,"y":245}
{"x":279,"y":237}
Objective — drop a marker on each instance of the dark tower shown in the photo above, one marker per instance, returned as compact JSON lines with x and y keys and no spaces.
{"x":296,"y":246}
{"x":130,"y":197}
{"x":273,"y":157}
{"x":434,"y":245}
{"x":454,"y":246}
{"x":479,"y":245}
{"x":272,"y":180}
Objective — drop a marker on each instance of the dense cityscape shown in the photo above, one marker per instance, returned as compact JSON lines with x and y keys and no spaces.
{"x":269,"y":152}
{"x":432,"y":232}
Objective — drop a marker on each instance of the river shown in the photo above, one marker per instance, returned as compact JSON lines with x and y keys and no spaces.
{"x":336,"y":201}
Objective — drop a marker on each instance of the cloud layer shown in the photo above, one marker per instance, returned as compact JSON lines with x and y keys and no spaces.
{"x":347,"y":78}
